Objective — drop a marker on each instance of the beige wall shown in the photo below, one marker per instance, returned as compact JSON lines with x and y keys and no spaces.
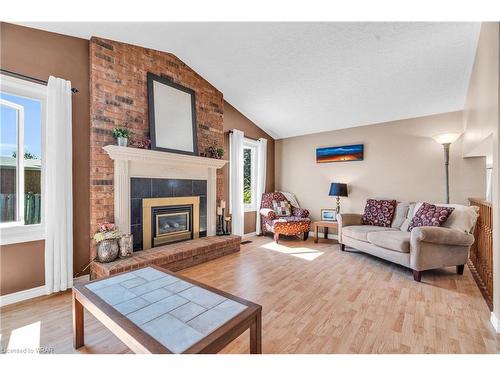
{"x":401,"y":162}
{"x":481,"y":105}
{"x":481,"y":119}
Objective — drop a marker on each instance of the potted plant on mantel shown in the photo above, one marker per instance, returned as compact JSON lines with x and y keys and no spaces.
{"x":121,"y":135}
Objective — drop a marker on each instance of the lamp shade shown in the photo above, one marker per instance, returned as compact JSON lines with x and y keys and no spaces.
{"x":446,"y":138}
{"x":338,"y":189}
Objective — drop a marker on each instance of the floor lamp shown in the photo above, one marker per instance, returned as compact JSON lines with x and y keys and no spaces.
{"x":446,"y":140}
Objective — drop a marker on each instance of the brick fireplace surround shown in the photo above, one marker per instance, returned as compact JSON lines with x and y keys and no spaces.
{"x":118,"y":92}
{"x":118,"y":96}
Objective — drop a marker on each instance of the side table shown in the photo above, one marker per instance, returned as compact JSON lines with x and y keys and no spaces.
{"x":325,"y":225}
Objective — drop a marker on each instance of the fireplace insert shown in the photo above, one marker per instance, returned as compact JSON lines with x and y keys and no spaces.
{"x":171,"y":224}
{"x":168,"y":220}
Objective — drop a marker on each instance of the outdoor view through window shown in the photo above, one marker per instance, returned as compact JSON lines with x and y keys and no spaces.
{"x":247,"y":176}
{"x":20,"y":119}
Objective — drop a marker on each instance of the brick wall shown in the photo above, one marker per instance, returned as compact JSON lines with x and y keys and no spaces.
{"x":118,"y":98}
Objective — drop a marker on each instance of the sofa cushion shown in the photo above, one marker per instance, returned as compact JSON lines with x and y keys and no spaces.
{"x":379,"y":212}
{"x":430,"y":215}
{"x":463,"y":218}
{"x":411,"y":210}
{"x":405,"y":225}
{"x":392,"y":240}
{"x":282,"y":208}
{"x":400,"y":214}
{"x":360,"y":232}
{"x":300,"y":212}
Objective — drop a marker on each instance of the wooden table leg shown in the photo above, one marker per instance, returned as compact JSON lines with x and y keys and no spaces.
{"x":78,"y":327}
{"x":315,"y":233}
{"x":325,"y":231}
{"x":256,"y":335}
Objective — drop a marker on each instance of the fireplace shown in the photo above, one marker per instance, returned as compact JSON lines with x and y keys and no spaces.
{"x":149,"y":200}
{"x":141,"y":174}
{"x":168,"y":220}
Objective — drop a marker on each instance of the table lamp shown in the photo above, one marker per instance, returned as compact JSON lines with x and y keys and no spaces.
{"x":338,"y":190}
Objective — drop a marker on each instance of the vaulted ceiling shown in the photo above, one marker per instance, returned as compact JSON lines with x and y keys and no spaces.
{"x":300,"y":78}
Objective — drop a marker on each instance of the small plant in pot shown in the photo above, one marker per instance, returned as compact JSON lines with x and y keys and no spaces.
{"x":121,"y":135}
{"x":220,"y":152}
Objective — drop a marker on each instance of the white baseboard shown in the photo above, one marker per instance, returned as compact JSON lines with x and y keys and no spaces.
{"x":321,"y":236}
{"x":23,"y":295}
{"x":495,"y":322}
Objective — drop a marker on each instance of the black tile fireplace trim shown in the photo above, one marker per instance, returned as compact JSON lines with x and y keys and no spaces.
{"x":141,"y":188}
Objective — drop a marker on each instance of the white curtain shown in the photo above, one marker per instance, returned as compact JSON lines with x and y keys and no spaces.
{"x":236,"y":181}
{"x":58,"y":200}
{"x":260,"y":178}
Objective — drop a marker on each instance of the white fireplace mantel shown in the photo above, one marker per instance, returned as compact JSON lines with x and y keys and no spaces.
{"x":135,"y":162}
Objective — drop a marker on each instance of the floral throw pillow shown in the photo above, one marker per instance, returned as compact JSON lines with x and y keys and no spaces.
{"x":430,"y":215}
{"x":379,"y":212}
{"x":282,"y":208}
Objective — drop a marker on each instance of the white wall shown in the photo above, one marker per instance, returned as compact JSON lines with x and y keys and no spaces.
{"x":401,"y":162}
{"x":481,"y":118}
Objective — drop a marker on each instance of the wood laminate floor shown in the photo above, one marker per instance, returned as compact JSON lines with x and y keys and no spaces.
{"x":315,"y":298}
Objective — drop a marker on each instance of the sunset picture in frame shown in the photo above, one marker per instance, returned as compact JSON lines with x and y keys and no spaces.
{"x":339,"y":153}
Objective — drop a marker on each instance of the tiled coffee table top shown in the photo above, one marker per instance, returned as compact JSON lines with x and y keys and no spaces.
{"x":174,"y":312}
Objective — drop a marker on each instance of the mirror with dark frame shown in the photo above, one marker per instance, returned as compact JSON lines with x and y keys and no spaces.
{"x":172,"y":116}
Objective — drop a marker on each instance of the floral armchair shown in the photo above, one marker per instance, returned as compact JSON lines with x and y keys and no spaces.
{"x":298,"y":223}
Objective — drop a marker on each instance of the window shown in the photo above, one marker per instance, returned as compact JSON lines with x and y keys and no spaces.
{"x":249,"y":174}
{"x":22,"y":105}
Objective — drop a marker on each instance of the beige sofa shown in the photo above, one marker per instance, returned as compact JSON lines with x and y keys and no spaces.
{"x":423,"y":248}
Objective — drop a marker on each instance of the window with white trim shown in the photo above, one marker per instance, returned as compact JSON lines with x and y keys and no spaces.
{"x":22,"y":117}
{"x":249,"y":174}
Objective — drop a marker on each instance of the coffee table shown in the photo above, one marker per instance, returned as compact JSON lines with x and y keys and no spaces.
{"x":152,"y":310}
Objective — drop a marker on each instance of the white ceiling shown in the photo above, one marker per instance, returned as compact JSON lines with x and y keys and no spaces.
{"x":300,"y":78}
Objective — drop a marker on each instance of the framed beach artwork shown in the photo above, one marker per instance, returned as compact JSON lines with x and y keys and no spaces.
{"x":328,"y":214}
{"x":339,"y":153}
